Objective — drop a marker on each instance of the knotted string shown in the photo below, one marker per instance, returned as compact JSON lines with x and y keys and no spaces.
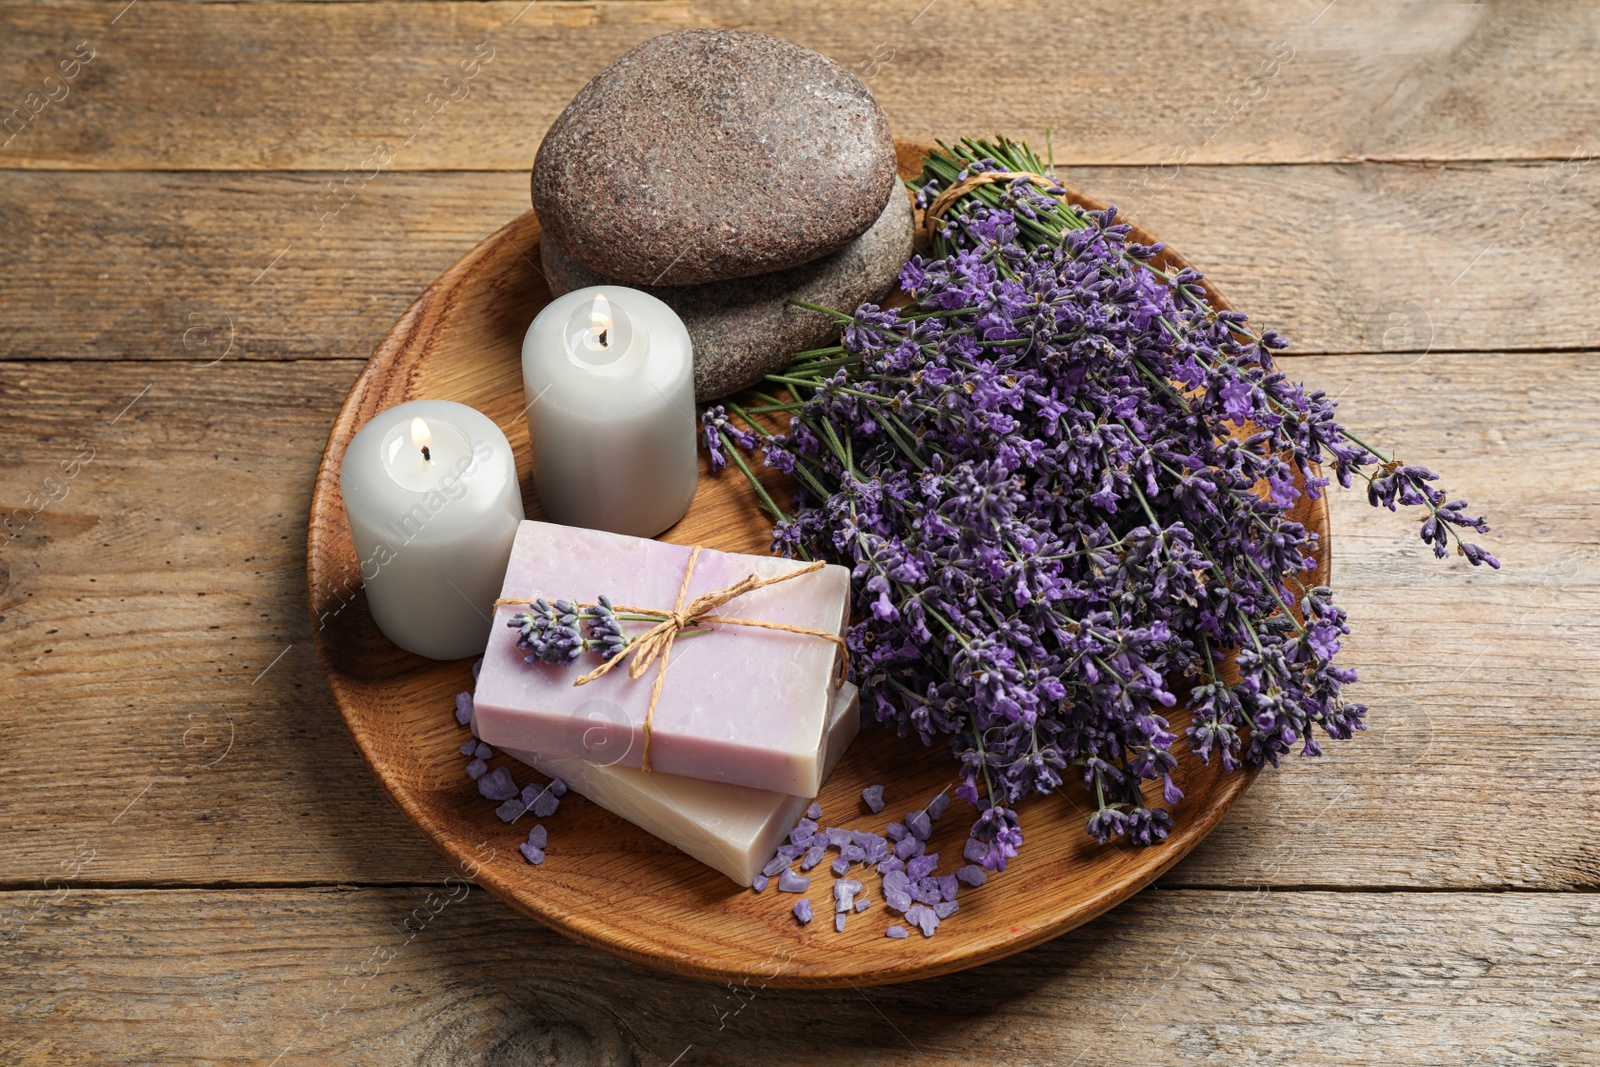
{"x":942,"y":202}
{"x":656,"y":643}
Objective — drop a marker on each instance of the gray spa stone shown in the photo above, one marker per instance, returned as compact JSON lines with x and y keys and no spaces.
{"x":711,"y":154}
{"x":744,"y":328}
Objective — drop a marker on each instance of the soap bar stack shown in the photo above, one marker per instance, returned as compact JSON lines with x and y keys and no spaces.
{"x":748,"y":723}
{"x":727,"y":173}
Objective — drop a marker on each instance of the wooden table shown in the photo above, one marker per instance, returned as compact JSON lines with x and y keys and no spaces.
{"x":198,"y":252}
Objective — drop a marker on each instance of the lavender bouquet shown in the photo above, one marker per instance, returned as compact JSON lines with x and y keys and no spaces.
{"x":1063,"y":481}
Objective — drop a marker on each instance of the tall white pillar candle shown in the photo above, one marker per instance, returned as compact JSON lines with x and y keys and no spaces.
{"x":609,"y":380}
{"x":430,"y":489}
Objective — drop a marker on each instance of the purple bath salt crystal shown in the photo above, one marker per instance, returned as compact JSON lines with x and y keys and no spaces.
{"x":876,"y":847}
{"x":814,"y":812}
{"x":948,"y":886}
{"x":838,"y":922}
{"x":895,"y":885}
{"x":510,"y":810}
{"x":466,"y":749}
{"x":538,"y":837}
{"x":463,"y":708}
{"x":975,"y":850}
{"x":897,"y":931}
{"x":841,"y":866}
{"x":873,"y":795}
{"x":546,"y":805}
{"x":558,"y":787}
{"x":890,"y":864}
{"x":920,"y":825}
{"x":483,"y":751}
{"x":758,"y":883}
{"x":946,"y":908}
{"x":789,"y":882}
{"x":925,"y":891}
{"x":774,"y":865}
{"x":497,"y":784}
{"x":839,"y":837}
{"x":853,"y":853}
{"x":921,"y":866}
{"x":925,"y":919}
{"x":531,"y":854}
{"x":802,"y":832}
{"x":530,"y":793}
{"x":802,"y":909}
{"x":895,"y":831}
{"x":908,"y":847}
{"x":862,"y":904}
{"x":937,"y":805}
{"x":791,"y":852}
{"x":844,"y":893}
{"x":813,"y":856}
{"x":477,"y":769}
{"x":972,"y":874}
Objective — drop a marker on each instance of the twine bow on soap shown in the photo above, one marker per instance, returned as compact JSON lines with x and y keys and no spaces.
{"x":656,"y":643}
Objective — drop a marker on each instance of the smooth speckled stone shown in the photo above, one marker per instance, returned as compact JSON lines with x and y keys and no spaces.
{"x":745,"y":328}
{"x":709,"y":154}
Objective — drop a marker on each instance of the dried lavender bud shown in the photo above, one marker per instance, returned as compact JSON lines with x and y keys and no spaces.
{"x":606,"y":637}
{"x":873,"y":796}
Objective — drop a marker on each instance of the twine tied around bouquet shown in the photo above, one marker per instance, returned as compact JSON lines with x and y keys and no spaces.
{"x":943,"y":202}
{"x":656,"y":643}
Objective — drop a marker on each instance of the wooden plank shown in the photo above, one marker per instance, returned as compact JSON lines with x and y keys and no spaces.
{"x":156,"y":610}
{"x":174,"y":85}
{"x":440,"y":974}
{"x":194,"y":267}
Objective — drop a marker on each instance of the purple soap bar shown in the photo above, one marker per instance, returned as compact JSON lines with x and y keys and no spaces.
{"x":741,"y":705}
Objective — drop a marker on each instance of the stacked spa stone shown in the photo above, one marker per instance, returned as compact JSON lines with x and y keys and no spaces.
{"x":727,"y":173}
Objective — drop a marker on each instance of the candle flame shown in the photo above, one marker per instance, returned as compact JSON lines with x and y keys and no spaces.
{"x":600,"y":318}
{"x":421,"y":436}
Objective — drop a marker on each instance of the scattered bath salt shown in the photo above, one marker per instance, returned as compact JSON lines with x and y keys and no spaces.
{"x":838,"y":922}
{"x":925,"y":891}
{"x":895,"y":831}
{"x":841,"y":866}
{"x":546,"y":805}
{"x":920,"y":825}
{"x":497,"y":784}
{"x":873,"y":796}
{"x":758,"y":883}
{"x":813,"y":856}
{"x":948,"y":886}
{"x":774,"y":865}
{"x":921,"y":866}
{"x":533,"y":855}
{"x":862,"y":904}
{"x":538,"y":837}
{"x":789,"y":882}
{"x":483,"y":751}
{"x":897,"y":931}
{"x":803,"y":832}
{"x":945,"y":909}
{"x":464,"y":708}
{"x":908,"y":847}
{"x":510,"y":810}
{"x":844,"y":893}
{"x":477,"y":769}
{"x":890,"y":863}
{"x":466,"y":749}
{"x":937,"y":805}
{"x":802,"y":910}
{"x":975,"y":850}
{"x":973,"y":875}
{"x":558,"y":787}
{"x":924,"y":917}
{"x":790,"y":853}
{"x":853,"y":853}
{"x":838,"y":836}
{"x":814,"y":812}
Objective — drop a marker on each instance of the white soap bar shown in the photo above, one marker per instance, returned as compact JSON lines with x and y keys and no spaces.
{"x":740,"y":705}
{"x":733,"y":828}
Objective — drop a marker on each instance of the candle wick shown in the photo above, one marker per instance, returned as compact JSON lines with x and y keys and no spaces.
{"x":603,"y":342}
{"x":426,"y":455}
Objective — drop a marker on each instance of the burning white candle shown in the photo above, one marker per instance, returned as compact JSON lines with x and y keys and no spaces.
{"x":609,"y":380}
{"x":430,"y":489}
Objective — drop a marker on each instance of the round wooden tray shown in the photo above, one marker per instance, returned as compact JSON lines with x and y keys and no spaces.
{"x":605,"y":882}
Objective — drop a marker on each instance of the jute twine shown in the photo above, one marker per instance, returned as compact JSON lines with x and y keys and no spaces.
{"x":656,"y":643}
{"x":942,"y":203}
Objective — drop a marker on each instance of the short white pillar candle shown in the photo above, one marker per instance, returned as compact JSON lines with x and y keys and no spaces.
{"x":609,"y":380}
{"x":430,"y":489}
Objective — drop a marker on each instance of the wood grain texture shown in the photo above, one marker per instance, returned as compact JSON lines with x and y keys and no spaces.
{"x":613,"y":885}
{"x":176,"y":85}
{"x":398,"y":977}
{"x":150,"y":599}
{"x":1397,"y":259}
